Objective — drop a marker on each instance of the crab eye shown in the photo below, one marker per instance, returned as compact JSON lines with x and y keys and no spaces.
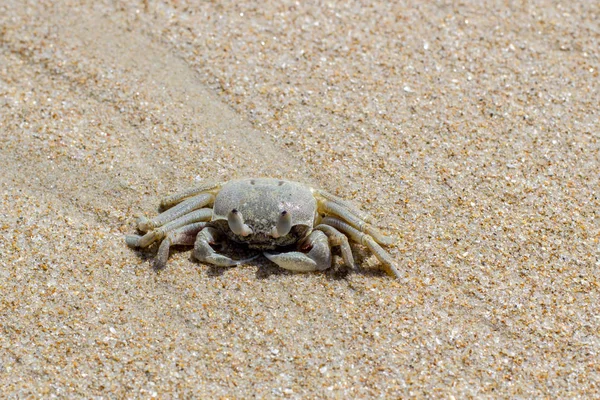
{"x":236,"y":223}
{"x":284,"y":225}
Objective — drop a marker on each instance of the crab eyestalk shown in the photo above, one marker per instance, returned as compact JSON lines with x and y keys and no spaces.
{"x":284,"y":225}
{"x":236,"y":223}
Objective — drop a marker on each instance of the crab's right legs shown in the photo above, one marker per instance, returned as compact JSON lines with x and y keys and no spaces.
{"x":201,"y":215}
{"x":204,"y":252}
{"x":185,"y":235}
{"x":187,"y":206}
{"x":184,"y":194}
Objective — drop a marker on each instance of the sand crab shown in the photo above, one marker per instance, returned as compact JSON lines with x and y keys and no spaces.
{"x":292,"y":224}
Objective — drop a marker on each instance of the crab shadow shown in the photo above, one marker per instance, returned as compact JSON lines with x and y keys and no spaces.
{"x":265,"y":269}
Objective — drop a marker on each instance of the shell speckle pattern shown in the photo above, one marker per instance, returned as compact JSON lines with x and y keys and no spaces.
{"x":293,"y":225}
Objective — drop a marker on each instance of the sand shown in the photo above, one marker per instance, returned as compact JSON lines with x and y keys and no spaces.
{"x":469,"y":131}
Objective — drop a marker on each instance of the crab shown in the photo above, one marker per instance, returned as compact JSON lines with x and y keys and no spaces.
{"x":292,"y":224}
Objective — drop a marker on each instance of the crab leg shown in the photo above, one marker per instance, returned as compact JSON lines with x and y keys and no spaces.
{"x":191,"y":204}
{"x":205,"y":253}
{"x":337,"y":238}
{"x":346,"y":204}
{"x":184,"y":194}
{"x":330,"y":207}
{"x":365,"y":240}
{"x":204,"y":214}
{"x":318,"y":257}
{"x":185,"y":235}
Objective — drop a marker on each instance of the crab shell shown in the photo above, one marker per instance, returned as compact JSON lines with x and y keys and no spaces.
{"x":261,"y":202}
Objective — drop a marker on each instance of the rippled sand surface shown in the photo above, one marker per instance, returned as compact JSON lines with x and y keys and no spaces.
{"x":469,"y":131}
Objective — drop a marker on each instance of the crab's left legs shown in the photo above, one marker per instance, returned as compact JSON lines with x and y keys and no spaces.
{"x":333,"y":208}
{"x":345,"y":204}
{"x":337,"y":238}
{"x":317,"y":258}
{"x":186,"y":235}
{"x":365,"y":240}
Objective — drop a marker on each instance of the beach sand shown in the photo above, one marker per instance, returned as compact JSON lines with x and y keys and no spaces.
{"x":471,"y":133}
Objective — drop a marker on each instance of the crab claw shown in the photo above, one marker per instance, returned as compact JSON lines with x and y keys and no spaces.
{"x":203,"y":251}
{"x":318,"y":257}
{"x":236,"y":223}
{"x":284,"y":225}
